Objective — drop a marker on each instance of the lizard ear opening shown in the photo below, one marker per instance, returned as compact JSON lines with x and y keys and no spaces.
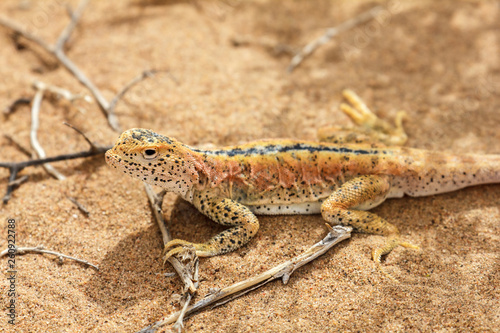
{"x":149,"y":153}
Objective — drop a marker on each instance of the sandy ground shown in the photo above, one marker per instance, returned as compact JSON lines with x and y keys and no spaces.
{"x":437,"y":60}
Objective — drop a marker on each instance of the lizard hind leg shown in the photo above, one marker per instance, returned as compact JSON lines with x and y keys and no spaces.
{"x":364,"y":192}
{"x":370,"y":129}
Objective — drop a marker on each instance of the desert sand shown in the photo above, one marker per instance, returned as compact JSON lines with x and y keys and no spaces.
{"x":439,"y":61}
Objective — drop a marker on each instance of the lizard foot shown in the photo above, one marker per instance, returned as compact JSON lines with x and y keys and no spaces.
{"x":378,"y":128}
{"x":390,"y":245}
{"x":177,"y":246}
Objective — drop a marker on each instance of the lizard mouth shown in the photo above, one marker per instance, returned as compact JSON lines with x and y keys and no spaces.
{"x":111,"y":159}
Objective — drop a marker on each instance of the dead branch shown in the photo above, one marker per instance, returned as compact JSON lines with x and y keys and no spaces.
{"x":40,"y":249}
{"x":78,"y":205}
{"x":19,"y":181}
{"x":60,"y":92}
{"x":13,"y":106}
{"x":282,"y":271}
{"x":330,"y":33}
{"x":35,"y":112}
{"x":16,"y":144}
{"x":57,"y":51}
{"x":77,"y":130}
{"x":188,"y":273}
{"x":16,"y":167}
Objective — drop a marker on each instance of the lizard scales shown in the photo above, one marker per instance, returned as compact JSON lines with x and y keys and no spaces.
{"x":341,"y":178}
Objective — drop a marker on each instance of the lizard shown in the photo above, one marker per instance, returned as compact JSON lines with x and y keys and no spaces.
{"x":345,"y":174}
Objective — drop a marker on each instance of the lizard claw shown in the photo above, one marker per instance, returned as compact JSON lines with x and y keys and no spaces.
{"x":174,"y":247}
{"x":378,"y":253}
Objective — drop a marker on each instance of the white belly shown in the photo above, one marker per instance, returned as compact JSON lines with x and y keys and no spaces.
{"x":303,"y":208}
{"x":306,"y":208}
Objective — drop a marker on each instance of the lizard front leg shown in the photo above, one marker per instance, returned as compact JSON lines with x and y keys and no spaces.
{"x":347,"y":204}
{"x":243,"y":223}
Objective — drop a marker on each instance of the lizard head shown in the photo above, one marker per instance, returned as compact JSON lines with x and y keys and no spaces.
{"x":155,"y":159}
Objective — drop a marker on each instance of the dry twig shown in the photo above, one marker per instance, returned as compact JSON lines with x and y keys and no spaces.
{"x":40,"y":249}
{"x":19,"y":181}
{"x":329,"y":34}
{"x":77,"y":130}
{"x":13,"y":106}
{"x":282,"y":271}
{"x":60,"y":92}
{"x":16,"y":167}
{"x":35,"y":111}
{"x":20,"y":147}
{"x":57,"y":51}
{"x":78,"y":205}
{"x":188,"y":273}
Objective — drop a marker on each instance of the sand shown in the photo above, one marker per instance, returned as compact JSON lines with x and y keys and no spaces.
{"x":439,"y":61}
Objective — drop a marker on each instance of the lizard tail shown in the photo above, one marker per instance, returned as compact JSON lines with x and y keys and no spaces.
{"x":442,"y":172}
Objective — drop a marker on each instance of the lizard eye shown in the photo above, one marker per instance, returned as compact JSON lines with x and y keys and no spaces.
{"x":149,"y":153}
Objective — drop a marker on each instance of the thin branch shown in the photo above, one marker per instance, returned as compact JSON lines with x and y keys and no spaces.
{"x":156,"y":203}
{"x":13,"y":106}
{"x":39,"y":249}
{"x":282,"y":271}
{"x":35,"y":111}
{"x":26,"y":34}
{"x":133,"y":82}
{"x":75,"y":17}
{"x":16,"y":167}
{"x":330,"y":33}
{"x":17,"y":145}
{"x":64,"y":93}
{"x":62,"y":157}
{"x":78,"y":205}
{"x":19,"y":181}
{"x":77,"y":130}
{"x":57,"y":51}
{"x":188,"y":273}
{"x":141,"y":77}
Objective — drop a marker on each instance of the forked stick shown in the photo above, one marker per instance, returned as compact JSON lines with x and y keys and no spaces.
{"x":329,"y":34}
{"x":283,"y":272}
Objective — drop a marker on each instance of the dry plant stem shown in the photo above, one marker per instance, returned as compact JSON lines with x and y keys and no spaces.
{"x":141,"y":77}
{"x":17,"y":145}
{"x":39,"y":249}
{"x":144,"y":75}
{"x":19,"y":181}
{"x":91,"y":144}
{"x":16,"y":167}
{"x":13,"y":106}
{"x":188,"y":273}
{"x":35,"y":112}
{"x":59,"y":91}
{"x":329,"y":34}
{"x":283,"y":271}
{"x":78,"y":205}
{"x":156,"y":203}
{"x":57,"y":50}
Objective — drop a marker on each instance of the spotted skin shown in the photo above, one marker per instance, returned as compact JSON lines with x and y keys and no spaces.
{"x":339,"y":180}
